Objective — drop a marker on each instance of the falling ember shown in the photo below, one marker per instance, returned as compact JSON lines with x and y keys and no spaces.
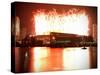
{"x":72,"y":21}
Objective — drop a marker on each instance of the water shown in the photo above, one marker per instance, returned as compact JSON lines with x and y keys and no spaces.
{"x":38,"y":59}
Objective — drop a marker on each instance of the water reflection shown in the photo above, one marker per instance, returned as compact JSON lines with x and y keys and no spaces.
{"x":41,"y":58}
{"x":50,"y":59}
{"x":75,"y":58}
{"x":46,"y":59}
